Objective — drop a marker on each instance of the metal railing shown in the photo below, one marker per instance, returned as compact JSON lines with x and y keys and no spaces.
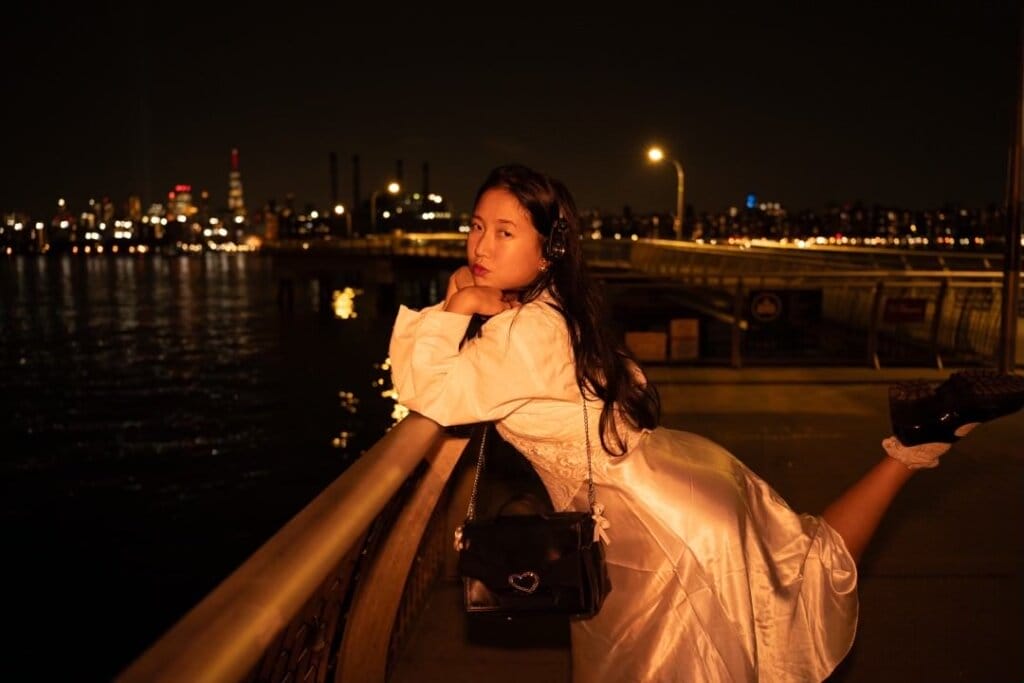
{"x":909,"y":315}
{"x":330,"y":593}
{"x":424,"y":244}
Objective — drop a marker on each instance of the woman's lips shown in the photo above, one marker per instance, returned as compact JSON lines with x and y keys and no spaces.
{"x":479,"y":271}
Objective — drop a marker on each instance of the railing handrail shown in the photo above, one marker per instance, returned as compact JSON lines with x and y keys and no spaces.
{"x":371,"y":620}
{"x":875,"y":274}
{"x":752,"y":244}
{"x":451,"y":244}
{"x":224,"y":636}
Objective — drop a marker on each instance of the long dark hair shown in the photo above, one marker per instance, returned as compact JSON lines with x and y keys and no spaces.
{"x":603,"y":363}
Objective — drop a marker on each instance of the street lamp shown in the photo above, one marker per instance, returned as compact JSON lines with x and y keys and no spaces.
{"x":656,"y":154}
{"x":339,"y":210}
{"x":393,"y":188}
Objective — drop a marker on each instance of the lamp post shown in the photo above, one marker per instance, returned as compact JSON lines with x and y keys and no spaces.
{"x":656,"y":154}
{"x":393,"y":188}
{"x":339,"y":210}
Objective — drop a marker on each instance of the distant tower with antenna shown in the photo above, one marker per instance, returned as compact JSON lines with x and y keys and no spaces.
{"x":236,"y":198}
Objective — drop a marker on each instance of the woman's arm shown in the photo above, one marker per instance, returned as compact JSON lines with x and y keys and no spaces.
{"x":463,"y":296}
{"x":520,"y":356}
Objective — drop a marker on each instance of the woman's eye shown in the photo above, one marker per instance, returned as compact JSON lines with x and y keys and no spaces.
{"x":477,"y":227}
{"x":505,"y":233}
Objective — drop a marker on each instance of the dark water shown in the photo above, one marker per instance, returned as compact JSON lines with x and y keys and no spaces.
{"x":160,"y":418}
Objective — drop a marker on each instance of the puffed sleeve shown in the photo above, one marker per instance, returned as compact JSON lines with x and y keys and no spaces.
{"x":520,"y":355}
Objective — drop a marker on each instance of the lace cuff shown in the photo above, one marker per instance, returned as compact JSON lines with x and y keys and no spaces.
{"x":923,"y":456}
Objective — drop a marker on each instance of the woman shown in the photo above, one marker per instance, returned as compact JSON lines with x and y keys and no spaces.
{"x":714,"y":577}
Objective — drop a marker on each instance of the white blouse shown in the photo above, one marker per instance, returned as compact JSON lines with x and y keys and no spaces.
{"x":519,"y":373}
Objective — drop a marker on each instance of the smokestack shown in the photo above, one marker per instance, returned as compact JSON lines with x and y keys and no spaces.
{"x":333,"y":161}
{"x":426,"y":178}
{"x":355,"y":182}
{"x":398,"y":172}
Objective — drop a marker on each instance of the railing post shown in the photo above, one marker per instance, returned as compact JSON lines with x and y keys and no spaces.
{"x":1014,"y":219}
{"x":736,"y":351}
{"x":940,"y":301}
{"x":874,"y":323}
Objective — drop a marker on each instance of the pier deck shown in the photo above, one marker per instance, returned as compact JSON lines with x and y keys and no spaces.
{"x":942,"y":586}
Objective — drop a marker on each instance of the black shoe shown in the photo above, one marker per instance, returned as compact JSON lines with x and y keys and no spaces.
{"x":923,"y":413}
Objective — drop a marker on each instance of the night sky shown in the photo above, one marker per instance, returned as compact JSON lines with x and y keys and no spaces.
{"x":805,"y":104}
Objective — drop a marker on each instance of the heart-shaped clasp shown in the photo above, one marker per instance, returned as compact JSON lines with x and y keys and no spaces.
{"x":525,"y":582}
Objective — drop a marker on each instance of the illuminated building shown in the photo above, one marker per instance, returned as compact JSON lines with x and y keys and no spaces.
{"x":236,"y":198}
{"x":134,"y":207}
{"x":179,"y":202}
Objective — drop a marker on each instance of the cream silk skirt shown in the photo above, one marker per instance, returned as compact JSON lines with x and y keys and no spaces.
{"x":714,"y":577}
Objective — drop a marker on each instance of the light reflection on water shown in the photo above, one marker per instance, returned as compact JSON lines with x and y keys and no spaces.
{"x":159,"y":419}
{"x":343,"y":301}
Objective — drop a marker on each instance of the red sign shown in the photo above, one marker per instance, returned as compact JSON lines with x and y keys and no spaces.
{"x":905,"y":310}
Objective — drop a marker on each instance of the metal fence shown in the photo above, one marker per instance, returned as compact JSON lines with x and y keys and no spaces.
{"x":776,"y":307}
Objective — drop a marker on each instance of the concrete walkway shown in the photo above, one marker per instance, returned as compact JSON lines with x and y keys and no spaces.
{"x":942,"y":586}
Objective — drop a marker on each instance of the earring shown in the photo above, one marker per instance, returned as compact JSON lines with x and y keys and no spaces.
{"x":544,"y":265}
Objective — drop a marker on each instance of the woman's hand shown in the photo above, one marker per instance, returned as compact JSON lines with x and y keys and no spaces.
{"x":463,"y":296}
{"x":460,"y":279}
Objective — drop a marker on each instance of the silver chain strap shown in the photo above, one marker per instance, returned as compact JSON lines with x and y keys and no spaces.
{"x":479,"y":467}
{"x":591,"y":491}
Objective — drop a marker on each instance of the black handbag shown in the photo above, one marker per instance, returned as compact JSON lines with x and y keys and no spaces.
{"x":538,"y":563}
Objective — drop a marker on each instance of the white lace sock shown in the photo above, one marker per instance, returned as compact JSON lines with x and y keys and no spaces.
{"x":922,"y":456}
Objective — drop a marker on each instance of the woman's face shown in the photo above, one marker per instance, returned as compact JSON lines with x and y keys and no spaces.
{"x":504,"y":249}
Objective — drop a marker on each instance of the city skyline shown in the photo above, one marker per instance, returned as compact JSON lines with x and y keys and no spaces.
{"x":890,"y":106}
